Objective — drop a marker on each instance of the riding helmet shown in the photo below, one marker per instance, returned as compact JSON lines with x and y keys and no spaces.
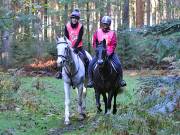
{"x":75,"y":13}
{"x":106,"y":20}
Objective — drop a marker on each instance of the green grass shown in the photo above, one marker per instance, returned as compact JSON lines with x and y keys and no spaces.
{"x":41,"y":103}
{"x":42,"y":110}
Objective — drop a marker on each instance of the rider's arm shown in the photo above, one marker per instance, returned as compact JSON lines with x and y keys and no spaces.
{"x":66,"y":32}
{"x":79,"y":37}
{"x":112,"y":45}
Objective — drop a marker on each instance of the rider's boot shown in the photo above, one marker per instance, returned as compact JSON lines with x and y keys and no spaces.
{"x":59,"y":75}
{"x":122,"y":83}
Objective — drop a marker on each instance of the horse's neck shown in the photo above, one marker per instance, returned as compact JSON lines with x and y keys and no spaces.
{"x":72,"y":67}
{"x":106,"y":69}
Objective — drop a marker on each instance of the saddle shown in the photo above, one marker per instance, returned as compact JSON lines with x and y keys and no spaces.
{"x":85,"y":61}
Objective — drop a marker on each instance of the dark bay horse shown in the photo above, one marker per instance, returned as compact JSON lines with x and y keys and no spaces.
{"x":105,"y":79}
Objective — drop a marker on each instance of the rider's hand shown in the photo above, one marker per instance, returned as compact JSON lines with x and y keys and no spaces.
{"x":110,"y":55}
{"x":75,"y":50}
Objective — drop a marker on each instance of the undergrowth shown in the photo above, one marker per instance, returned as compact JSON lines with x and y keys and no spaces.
{"x":39,"y":109}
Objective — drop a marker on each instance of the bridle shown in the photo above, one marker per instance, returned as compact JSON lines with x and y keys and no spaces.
{"x":65,"y":58}
{"x":67,"y":61}
{"x":103,"y":57}
{"x":103,"y":61}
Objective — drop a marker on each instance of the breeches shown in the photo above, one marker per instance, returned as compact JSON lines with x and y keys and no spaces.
{"x":117,"y":63}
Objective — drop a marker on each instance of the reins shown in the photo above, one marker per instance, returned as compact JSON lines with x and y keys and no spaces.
{"x":69,"y":60}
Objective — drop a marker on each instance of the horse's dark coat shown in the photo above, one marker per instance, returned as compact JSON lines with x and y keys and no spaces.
{"x":105,"y":79}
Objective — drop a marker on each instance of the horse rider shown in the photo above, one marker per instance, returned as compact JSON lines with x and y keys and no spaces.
{"x":111,"y":42}
{"x":74,"y":31}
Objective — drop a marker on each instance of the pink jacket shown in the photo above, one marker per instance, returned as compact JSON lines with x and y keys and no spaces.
{"x":73,"y":34}
{"x":110,"y":37}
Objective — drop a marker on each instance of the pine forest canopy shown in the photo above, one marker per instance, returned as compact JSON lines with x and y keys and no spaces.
{"x":41,"y":20}
{"x":53,"y":14}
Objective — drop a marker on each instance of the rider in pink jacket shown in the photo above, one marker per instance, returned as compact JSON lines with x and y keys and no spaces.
{"x":74,"y":31}
{"x":110,"y":39}
{"x":111,"y":43}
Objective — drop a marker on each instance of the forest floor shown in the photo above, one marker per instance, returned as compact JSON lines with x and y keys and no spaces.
{"x":35,"y":106}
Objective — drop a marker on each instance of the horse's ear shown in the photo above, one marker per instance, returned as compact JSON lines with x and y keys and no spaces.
{"x":57,"y":38}
{"x":104,"y":43}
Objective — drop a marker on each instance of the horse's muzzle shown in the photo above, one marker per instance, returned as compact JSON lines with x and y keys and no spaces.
{"x":100,"y":62}
{"x":60,"y":63}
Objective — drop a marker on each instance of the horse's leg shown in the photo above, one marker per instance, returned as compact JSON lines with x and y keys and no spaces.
{"x":67,"y":90}
{"x":114,"y":106}
{"x":84,"y":101}
{"x":110,"y":96}
{"x":98,"y":104}
{"x":80,"y":94}
{"x":105,"y":101}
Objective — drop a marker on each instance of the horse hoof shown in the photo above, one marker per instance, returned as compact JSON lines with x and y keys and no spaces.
{"x":114,"y":111}
{"x":99,"y":110}
{"x":72,"y":115}
{"x":108,"y":113}
{"x":84,"y":115}
{"x":66,"y":122}
{"x":81,"y":117}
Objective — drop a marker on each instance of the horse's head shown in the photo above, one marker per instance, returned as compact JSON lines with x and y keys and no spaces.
{"x":63,"y":50}
{"x":101,"y":52}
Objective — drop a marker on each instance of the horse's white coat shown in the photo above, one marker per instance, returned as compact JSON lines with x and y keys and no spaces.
{"x":77,"y":70}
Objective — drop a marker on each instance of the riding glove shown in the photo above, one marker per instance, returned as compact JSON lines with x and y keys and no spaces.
{"x":75,"y":50}
{"x":110,"y":55}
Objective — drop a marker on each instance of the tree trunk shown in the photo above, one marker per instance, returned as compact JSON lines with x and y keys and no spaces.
{"x":97,"y":15}
{"x":139,"y":13}
{"x":126,"y":14}
{"x":119,"y":17}
{"x":108,"y":7}
{"x":134,"y":15}
{"x":45,"y":19}
{"x":102,"y":11}
{"x":160,"y":11}
{"x":88,"y":32}
{"x":154,"y":14}
{"x":168,"y":10}
{"x":65,"y":13}
{"x":148,"y":11}
{"x":5,"y":51}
